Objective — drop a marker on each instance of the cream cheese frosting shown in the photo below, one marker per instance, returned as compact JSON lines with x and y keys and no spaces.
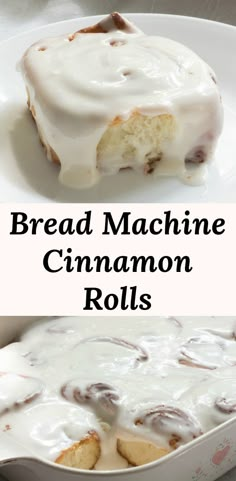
{"x":79,"y":84}
{"x":166,"y":380}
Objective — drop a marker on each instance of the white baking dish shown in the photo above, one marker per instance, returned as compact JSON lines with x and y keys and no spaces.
{"x":205,"y":458}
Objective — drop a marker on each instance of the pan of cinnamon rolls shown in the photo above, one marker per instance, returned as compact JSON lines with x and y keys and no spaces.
{"x":90,"y":396}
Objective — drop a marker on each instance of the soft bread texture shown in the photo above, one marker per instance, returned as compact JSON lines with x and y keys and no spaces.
{"x":125,"y":139}
{"x":138,"y":452}
{"x":81,"y":455}
{"x":85,"y":454}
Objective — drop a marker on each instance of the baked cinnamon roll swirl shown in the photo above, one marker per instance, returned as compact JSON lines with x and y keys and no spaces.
{"x":226,"y":406}
{"x":102,"y":397}
{"x":17,"y":390}
{"x":142,"y":355}
{"x":202,"y":352}
{"x":178,"y":424}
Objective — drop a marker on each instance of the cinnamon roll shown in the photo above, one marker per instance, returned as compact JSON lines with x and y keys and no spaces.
{"x":103,"y":397}
{"x":108,"y":97}
{"x":180,"y":426}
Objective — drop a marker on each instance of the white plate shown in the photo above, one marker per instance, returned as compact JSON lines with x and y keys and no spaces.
{"x":26,"y":175}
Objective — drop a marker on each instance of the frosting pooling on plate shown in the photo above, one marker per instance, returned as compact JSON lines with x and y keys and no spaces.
{"x":168,"y":380}
{"x":79,"y":84}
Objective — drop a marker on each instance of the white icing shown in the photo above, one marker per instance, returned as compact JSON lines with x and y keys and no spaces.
{"x":91,"y":373}
{"x":78,"y":87}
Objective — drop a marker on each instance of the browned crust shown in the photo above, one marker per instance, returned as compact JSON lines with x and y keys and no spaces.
{"x":119,"y":21}
{"x":97,"y":28}
{"x":108,"y":24}
{"x":54,"y":156}
{"x":135,"y":113}
{"x":151,"y":164}
{"x":189,"y":363}
{"x":116,"y":121}
{"x":127,"y":449}
{"x":115,"y":19}
{"x":85,"y":441}
{"x":28,"y":97}
{"x":33,"y":112}
{"x":174,"y":442}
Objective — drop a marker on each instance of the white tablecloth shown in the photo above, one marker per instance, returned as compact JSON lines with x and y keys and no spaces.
{"x":21,"y":15}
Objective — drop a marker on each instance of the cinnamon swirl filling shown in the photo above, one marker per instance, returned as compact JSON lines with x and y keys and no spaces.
{"x":226,"y":406}
{"x":201,"y":352}
{"x":142,"y":355}
{"x":23,"y":390}
{"x":172,"y":421}
{"x":100,"y":396}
